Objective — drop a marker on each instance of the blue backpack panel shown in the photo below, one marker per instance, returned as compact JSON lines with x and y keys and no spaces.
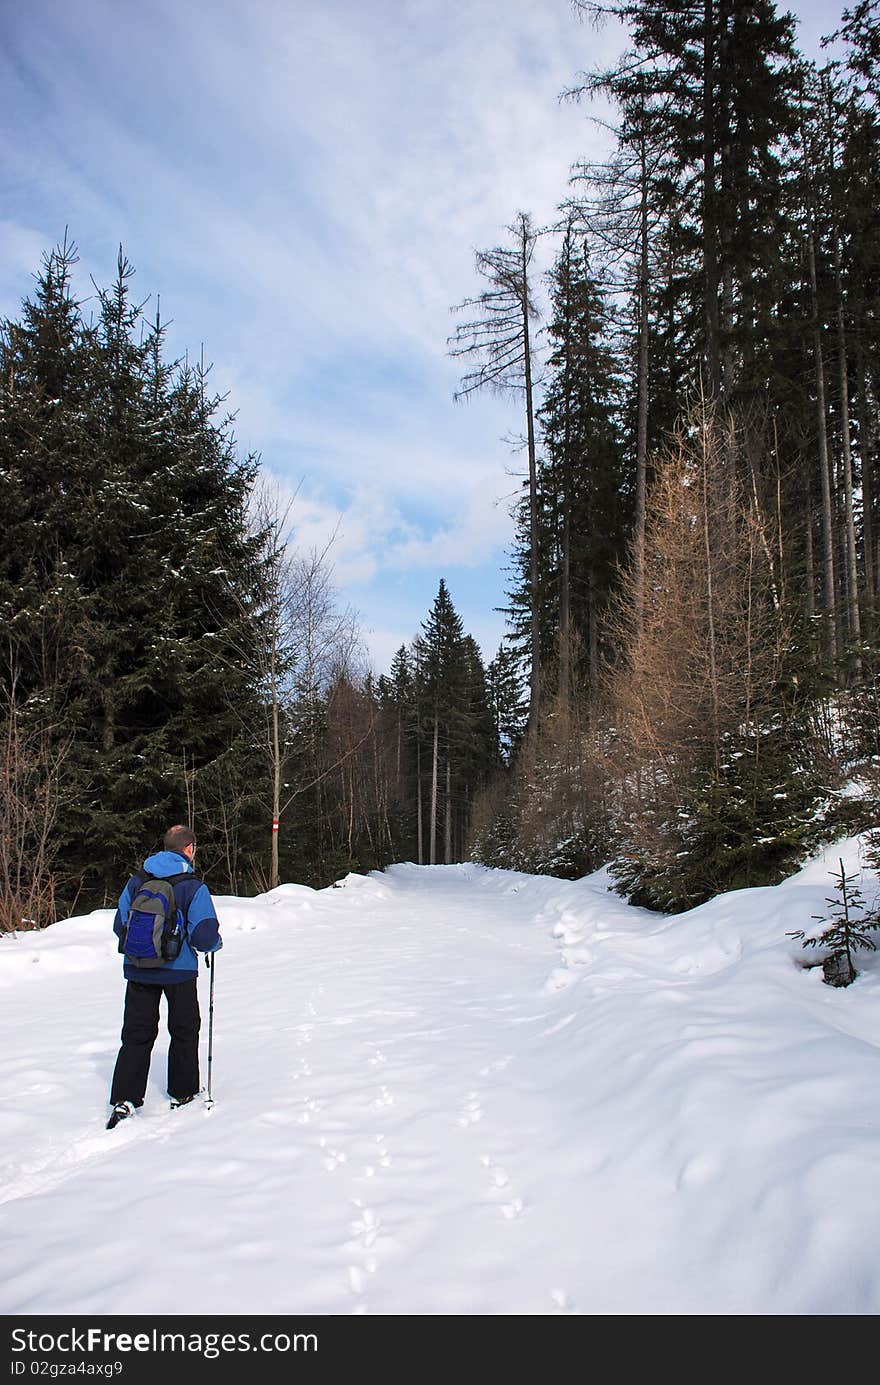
{"x":152,"y":935}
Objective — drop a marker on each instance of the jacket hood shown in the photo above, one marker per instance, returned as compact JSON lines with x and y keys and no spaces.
{"x":166,"y":863}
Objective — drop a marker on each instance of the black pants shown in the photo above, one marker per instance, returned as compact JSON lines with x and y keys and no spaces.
{"x":140,"y":1027}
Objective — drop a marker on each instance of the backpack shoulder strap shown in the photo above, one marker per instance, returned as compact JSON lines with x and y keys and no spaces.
{"x":187,"y":895}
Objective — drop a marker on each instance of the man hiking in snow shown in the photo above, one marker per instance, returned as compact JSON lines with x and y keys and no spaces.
{"x":165,"y":916}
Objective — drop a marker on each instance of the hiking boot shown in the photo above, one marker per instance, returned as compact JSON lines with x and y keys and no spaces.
{"x":121,"y":1111}
{"x":181,"y":1101}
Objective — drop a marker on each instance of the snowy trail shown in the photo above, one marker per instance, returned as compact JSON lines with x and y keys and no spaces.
{"x":363,"y":1070}
{"x":451,"y":1090}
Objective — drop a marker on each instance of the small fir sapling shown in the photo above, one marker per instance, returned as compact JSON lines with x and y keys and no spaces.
{"x":849,"y":924}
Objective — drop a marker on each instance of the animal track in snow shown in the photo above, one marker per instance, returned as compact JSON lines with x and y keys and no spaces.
{"x":383,"y":1099}
{"x":701,"y":1169}
{"x":498,"y":1176}
{"x":383,"y":1158}
{"x":472,"y":1111}
{"x":332,"y":1157}
{"x":562,"y":1303}
{"x":366,"y":1228}
{"x":498,"y":1066}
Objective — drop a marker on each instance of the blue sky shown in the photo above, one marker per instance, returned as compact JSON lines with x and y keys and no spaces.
{"x":303,"y":184}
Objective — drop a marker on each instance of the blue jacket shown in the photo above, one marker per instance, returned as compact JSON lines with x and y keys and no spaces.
{"x":201,"y":931}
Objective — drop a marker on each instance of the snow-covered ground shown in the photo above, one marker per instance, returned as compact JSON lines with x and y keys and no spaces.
{"x":451,"y":1090}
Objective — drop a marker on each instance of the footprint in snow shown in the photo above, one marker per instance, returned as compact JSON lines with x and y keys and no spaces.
{"x":701,"y":1169}
{"x":498,"y":1066}
{"x":498,"y":1176}
{"x":382,"y":1156}
{"x":332,"y":1157}
{"x":383,"y":1099}
{"x":472,"y":1111}
{"x":366,"y":1228}
{"x":562,"y":1304}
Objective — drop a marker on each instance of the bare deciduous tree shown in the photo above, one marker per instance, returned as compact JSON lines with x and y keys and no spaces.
{"x":500,"y":340}
{"x":704,"y":661}
{"x":31,"y":759}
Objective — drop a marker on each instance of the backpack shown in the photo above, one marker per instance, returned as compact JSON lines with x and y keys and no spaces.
{"x":154,"y":930}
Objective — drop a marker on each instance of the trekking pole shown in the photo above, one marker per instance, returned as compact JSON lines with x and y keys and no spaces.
{"x":209,"y":1100}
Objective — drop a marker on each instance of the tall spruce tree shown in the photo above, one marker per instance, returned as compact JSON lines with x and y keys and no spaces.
{"x":584,"y":478}
{"x":457,"y":747}
{"x":118,"y":620}
{"x":507,"y":705}
{"x":719,"y":80}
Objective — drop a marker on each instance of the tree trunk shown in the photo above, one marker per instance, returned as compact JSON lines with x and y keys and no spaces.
{"x":594,"y":640}
{"x":433,"y":830}
{"x":419,"y":813}
{"x":274,"y":873}
{"x":535,"y":631}
{"x":854,"y":617}
{"x":724,"y":218}
{"x":565,"y":605}
{"x":447,"y":825}
{"x":642,"y":388}
{"x":867,"y":471}
{"x":565,"y":563}
{"x":710,"y":211}
{"x":809,"y":562}
{"x":710,"y":598}
{"x":829,"y":603}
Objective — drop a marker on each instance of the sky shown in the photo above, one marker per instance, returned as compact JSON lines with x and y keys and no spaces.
{"x":452,"y":1090}
{"x":302,"y":186}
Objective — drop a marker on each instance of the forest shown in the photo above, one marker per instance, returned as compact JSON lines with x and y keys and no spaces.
{"x":690,"y":684}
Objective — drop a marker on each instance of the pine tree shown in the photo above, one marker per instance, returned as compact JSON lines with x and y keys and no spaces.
{"x":441,"y":686}
{"x":629,"y":206}
{"x":44,"y":460}
{"x":506,"y":699}
{"x":456,"y":748}
{"x":583,"y":475}
{"x":718,"y":80}
{"x":849,"y":924}
{"x":122,"y":599}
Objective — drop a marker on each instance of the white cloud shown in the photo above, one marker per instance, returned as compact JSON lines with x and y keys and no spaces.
{"x":304,"y":185}
{"x":372,"y":535}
